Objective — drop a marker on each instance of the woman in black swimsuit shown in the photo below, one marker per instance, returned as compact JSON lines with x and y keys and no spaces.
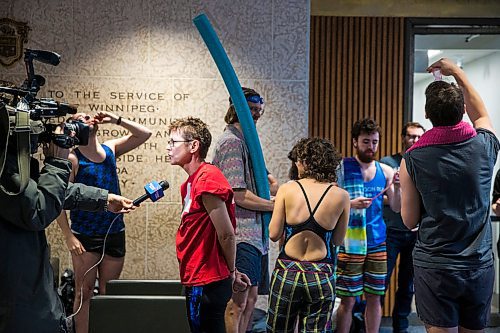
{"x":310,"y":216}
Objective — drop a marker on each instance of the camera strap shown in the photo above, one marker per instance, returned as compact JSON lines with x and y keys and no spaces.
{"x":4,"y":136}
{"x":22,"y":130}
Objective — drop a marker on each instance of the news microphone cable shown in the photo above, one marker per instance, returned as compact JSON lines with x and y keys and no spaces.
{"x":154,"y":191}
{"x":91,"y":268}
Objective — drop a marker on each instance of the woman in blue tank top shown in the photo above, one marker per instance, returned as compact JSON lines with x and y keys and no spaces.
{"x":91,"y":234}
{"x":310,"y":216}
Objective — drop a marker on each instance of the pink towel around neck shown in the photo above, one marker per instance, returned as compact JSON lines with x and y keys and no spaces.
{"x":442,"y":135}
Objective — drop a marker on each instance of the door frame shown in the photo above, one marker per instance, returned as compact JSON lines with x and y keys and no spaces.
{"x":437,"y":26}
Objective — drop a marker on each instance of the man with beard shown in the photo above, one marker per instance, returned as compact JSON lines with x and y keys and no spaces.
{"x":95,"y":164}
{"x":401,"y":240}
{"x":233,"y":158}
{"x":362,"y":259}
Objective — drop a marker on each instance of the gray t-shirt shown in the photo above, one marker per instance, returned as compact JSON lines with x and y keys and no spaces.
{"x":454,"y":182}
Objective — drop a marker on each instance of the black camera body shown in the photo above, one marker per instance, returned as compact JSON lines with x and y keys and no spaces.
{"x":75,"y":133}
{"x":42,"y":110}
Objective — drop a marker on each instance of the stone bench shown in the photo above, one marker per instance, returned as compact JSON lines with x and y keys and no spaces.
{"x":136,"y":314}
{"x":144,"y":287}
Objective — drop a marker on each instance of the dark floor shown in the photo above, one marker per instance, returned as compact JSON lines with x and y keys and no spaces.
{"x":416,"y":325}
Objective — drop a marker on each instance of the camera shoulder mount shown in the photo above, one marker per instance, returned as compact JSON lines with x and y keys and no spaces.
{"x":22,"y":130}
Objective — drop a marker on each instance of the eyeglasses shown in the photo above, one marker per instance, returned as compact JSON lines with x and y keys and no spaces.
{"x":172,"y":142}
{"x":255,"y":109}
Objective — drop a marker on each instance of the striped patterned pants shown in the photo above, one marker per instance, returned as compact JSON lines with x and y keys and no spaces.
{"x":303,"y":291}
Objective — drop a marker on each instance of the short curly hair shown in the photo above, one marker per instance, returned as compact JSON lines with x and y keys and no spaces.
{"x":365,"y":126}
{"x":319,"y":157}
{"x":193,"y":129}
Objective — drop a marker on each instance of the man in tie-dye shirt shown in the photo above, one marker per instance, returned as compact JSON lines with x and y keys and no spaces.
{"x":362,"y":259}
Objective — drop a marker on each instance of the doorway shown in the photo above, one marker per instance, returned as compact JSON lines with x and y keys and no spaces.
{"x":474,"y":44}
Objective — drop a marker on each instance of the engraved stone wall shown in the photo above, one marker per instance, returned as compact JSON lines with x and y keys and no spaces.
{"x":145,"y":60}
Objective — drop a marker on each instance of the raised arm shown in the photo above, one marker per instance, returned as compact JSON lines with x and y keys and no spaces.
{"x":474,"y":105}
{"x":138,"y":133}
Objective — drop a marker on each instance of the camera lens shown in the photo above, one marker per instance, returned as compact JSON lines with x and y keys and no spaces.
{"x":82,"y":131}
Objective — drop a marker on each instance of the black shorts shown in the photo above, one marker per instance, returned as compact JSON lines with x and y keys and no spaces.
{"x":115,"y":243}
{"x":254,"y":264}
{"x":451,"y":298}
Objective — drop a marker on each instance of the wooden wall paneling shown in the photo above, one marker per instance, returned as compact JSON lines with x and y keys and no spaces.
{"x":340,"y":136}
{"x":328,"y":81}
{"x":357,"y":71}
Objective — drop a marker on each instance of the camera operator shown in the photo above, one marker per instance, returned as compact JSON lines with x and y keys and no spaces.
{"x":28,"y":299}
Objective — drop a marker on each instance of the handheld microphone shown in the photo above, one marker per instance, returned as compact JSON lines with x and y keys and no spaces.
{"x":154,"y":191}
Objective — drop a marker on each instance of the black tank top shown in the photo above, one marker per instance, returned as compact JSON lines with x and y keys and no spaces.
{"x":312,"y":225}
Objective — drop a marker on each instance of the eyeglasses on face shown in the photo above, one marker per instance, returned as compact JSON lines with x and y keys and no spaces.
{"x":258,"y":110}
{"x":172,"y":142}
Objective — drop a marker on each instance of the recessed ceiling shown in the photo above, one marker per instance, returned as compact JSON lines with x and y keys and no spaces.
{"x":460,"y":48}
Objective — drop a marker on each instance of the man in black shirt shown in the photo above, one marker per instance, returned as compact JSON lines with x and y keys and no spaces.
{"x":448,"y":174}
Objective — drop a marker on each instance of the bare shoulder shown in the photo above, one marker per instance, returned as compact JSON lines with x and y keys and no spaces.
{"x":337,"y":191}
{"x":288,"y":186}
{"x":388,"y":171}
{"x":111,"y":144}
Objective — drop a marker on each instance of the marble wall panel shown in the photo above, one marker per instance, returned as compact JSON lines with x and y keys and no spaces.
{"x":136,"y":234}
{"x":284,"y":122}
{"x":176,"y":48}
{"x":208,"y":100}
{"x":245,"y":31}
{"x":51,"y":24}
{"x":163,"y":222}
{"x":15,"y":79}
{"x":290,"y":46}
{"x":113,"y":36}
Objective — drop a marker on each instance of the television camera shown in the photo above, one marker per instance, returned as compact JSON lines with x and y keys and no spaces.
{"x":25,"y":120}
{"x":27,"y":113}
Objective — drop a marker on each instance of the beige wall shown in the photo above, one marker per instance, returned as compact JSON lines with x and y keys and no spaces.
{"x":151,"y":49}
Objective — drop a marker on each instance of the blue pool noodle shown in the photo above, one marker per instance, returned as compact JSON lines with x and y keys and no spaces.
{"x":241,"y":106}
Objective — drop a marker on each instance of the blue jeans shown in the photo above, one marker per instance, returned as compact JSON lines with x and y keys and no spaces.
{"x":402,"y":243}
